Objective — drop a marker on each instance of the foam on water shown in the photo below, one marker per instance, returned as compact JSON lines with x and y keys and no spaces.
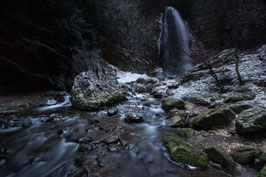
{"x":125,"y":77}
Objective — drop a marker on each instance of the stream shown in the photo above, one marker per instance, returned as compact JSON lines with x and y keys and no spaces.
{"x":45,"y":142}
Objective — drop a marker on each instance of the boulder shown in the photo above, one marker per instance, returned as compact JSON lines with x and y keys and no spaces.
{"x":185,"y":132}
{"x":213,"y":117}
{"x":171,"y":102}
{"x":239,"y":107}
{"x":260,"y":160}
{"x":176,"y":121}
{"x":220,"y":156}
{"x":244,"y":154}
{"x":95,"y":89}
{"x":240,"y":97}
{"x":112,"y":111}
{"x":251,"y":120}
{"x":197,"y":101}
{"x":134,"y":118}
{"x":262,"y":172}
{"x":184,"y":153}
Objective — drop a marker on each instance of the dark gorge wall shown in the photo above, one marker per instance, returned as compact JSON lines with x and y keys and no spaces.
{"x":218,"y":23}
{"x":47,"y":43}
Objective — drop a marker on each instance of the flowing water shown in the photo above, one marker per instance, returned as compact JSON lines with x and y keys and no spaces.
{"x":173,"y":43}
{"x":44,"y":143}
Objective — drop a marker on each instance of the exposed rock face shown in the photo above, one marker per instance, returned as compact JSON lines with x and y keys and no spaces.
{"x":220,"y":156}
{"x":251,"y":120}
{"x":244,"y":154}
{"x":182,"y":152}
{"x":95,"y":89}
{"x":213,"y":117}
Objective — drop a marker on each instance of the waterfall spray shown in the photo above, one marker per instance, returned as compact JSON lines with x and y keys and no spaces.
{"x":173,"y":43}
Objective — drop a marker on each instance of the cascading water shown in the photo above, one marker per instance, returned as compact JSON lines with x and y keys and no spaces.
{"x":173,"y":43}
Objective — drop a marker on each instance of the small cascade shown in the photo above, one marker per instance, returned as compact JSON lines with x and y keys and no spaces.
{"x":173,"y":43}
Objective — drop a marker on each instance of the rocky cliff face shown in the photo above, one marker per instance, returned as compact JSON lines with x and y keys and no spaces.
{"x":47,"y":43}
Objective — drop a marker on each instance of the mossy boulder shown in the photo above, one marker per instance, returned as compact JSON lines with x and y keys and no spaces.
{"x":171,"y":102}
{"x":213,"y":118}
{"x":260,"y":160}
{"x":176,"y":121}
{"x":244,"y":154}
{"x":185,"y":132}
{"x":262,"y":172}
{"x":184,"y":153}
{"x":239,"y":107}
{"x":251,"y":120}
{"x":220,"y":156}
{"x":240,"y":97}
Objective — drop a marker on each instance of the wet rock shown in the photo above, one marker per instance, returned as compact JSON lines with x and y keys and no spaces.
{"x":85,"y":140}
{"x":78,"y":173}
{"x":185,"y":132}
{"x":113,"y":148}
{"x":197,"y":101}
{"x":262,"y":172}
{"x":158,"y":92}
{"x":244,"y":154}
{"x":182,"y":152}
{"x":84,"y":148}
{"x":251,"y":120}
{"x":134,"y":118}
{"x":260,"y":155}
{"x":213,"y":117}
{"x":111,"y":139}
{"x":240,"y":97}
{"x":95,"y":89}
{"x":176,"y":121}
{"x":239,"y":107}
{"x":56,"y":95}
{"x":112,"y":111}
{"x":171,"y":103}
{"x":215,"y":165}
{"x":220,"y":156}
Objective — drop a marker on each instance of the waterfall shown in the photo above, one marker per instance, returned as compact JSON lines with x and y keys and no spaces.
{"x":173,"y":43}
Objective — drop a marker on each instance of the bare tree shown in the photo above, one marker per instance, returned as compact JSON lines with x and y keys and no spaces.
{"x":235,"y":16}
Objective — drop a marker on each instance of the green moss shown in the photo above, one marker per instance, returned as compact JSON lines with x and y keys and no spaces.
{"x":251,"y":120}
{"x":262,"y":173}
{"x":213,"y":117}
{"x":171,"y":103}
{"x":220,"y":156}
{"x":182,"y":152}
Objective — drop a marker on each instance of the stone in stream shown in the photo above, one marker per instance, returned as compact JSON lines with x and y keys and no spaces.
{"x":111,"y":139}
{"x":182,"y":152}
{"x":251,"y":120}
{"x":244,"y":154}
{"x":171,"y":102}
{"x":220,"y":156}
{"x":134,"y":118}
{"x":84,"y":148}
{"x":213,"y":117}
{"x":94,"y":89}
{"x":112,"y":111}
